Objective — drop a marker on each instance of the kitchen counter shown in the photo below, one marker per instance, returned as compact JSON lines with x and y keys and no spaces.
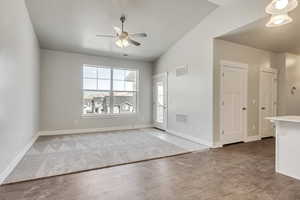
{"x":287,"y":145}
{"x":285,"y":118}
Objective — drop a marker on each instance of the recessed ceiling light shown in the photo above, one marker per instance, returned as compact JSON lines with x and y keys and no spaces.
{"x":279,"y":20}
{"x":281,"y":6}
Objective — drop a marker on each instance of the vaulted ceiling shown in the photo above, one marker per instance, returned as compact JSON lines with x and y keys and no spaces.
{"x":71,"y":25}
{"x":278,"y":39}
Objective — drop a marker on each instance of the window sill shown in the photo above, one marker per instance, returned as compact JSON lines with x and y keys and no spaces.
{"x":108,"y":116}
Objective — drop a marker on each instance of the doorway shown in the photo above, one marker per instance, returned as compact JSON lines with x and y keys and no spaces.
{"x":267,"y":101}
{"x":160,"y":101}
{"x":233,"y":110}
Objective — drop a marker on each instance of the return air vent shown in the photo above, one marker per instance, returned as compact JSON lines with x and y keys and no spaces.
{"x":181,"y":118}
{"x":181,"y":71}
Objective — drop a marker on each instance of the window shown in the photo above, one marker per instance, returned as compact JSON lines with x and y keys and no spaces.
{"x":108,"y":90}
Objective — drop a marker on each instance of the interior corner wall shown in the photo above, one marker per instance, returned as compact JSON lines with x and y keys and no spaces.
{"x":193,"y":95}
{"x":19,"y":82}
{"x":256,"y":59}
{"x":61,"y":92}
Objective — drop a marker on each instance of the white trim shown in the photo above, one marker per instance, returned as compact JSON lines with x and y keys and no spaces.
{"x":191,"y":138}
{"x":252,"y":138}
{"x":234,"y":64}
{"x":17,"y":159}
{"x":247,"y":139}
{"x":288,"y":174}
{"x":275,"y":95}
{"x":218,"y":145}
{"x":241,"y":66}
{"x":94,"y":130}
{"x":268,"y":69}
{"x":164,"y":76}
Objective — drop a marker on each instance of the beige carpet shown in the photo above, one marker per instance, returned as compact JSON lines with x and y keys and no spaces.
{"x":57,"y":155}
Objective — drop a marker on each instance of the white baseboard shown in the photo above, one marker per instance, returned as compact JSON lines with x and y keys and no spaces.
{"x":288,"y":174}
{"x":218,"y":145}
{"x":191,"y":138}
{"x":252,"y":138}
{"x":94,"y":130}
{"x":248,"y":139}
{"x":17,"y":159}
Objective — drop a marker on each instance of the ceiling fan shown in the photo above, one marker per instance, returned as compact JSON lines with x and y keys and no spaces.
{"x":123,"y":38}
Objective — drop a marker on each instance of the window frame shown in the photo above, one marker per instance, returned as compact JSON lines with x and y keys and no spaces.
{"x":111,"y":91}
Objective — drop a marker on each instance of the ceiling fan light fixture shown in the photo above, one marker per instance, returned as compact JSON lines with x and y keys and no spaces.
{"x":279,"y":20}
{"x":123,"y":38}
{"x":277,"y":7}
{"x":122,"y":43}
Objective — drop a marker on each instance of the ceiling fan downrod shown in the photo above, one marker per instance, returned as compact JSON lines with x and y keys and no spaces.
{"x":123,"y":19}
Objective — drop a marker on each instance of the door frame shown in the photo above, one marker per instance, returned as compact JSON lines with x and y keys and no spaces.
{"x":163,"y":75}
{"x":275,"y":90}
{"x":237,"y":66}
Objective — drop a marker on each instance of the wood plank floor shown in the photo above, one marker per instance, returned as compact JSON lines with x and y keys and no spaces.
{"x":241,"y":171}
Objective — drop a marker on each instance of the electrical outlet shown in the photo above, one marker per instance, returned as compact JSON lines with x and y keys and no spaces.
{"x":253,"y":127}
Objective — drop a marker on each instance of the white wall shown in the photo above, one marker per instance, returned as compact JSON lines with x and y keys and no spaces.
{"x":19,"y":81}
{"x":193,"y":95}
{"x":256,"y":59}
{"x":280,"y":63}
{"x":288,"y":66}
{"x":61,"y":92}
{"x":292,"y":79}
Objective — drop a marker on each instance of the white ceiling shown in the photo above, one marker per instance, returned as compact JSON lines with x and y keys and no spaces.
{"x":222,"y":2}
{"x":71,"y":25}
{"x":280,"y":39}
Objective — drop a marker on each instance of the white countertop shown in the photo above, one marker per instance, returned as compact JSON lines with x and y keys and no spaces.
{"x":285,"y":118}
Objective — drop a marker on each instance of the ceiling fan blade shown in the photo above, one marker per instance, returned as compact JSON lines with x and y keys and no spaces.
{"x":118,"y":30}
{"x":134,"y":42}
{"x":107,"y":36}
{"x":138,"y":35}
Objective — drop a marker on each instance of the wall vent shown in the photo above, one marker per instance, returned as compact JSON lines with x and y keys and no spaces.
{"x":181,"y":118}
{"x":181,"y":71}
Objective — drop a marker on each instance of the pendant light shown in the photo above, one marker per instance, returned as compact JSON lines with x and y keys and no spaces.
{"x":277,"y":7}
{"x":279,"y":20}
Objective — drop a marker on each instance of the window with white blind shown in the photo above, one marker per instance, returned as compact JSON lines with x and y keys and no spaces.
{"x":109,"y":90}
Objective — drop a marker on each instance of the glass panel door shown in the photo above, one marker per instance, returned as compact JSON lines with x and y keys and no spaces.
{"x":160,"y":101}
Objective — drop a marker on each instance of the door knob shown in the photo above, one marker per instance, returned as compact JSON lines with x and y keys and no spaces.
{"x":244,"y":108}
{"x":263,"y":108}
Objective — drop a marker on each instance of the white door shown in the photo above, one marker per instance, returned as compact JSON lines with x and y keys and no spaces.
{"x":267,"y":102}
{"x":233,"y":111}
{"x":160,"y":103}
